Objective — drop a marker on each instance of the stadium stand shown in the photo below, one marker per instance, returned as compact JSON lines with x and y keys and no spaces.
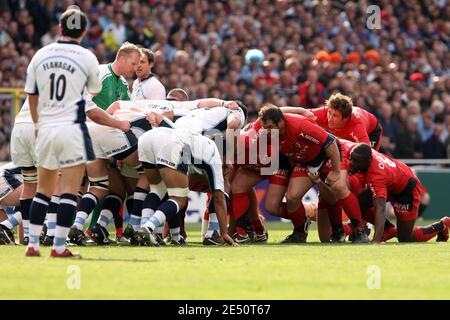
{"x":303,"y":52}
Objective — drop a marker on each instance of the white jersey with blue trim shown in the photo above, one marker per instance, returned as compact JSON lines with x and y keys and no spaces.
{"x":59,"y":73}
{"x":204,"y":119}
{"x":158,"y":105}
{"x":24,"y":115}
{"x":205,"y":157}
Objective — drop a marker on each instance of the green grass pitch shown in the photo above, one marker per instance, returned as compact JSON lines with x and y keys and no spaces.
{"x":270,"y":271}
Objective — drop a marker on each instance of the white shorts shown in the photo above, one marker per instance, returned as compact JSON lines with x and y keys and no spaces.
{"x":128,"y":171}
{"x":111,"y":143}
{"x":157,"y":148}
{"x":7,"y":185}
{"x":63,"y":146}
{"x":23,"y":144}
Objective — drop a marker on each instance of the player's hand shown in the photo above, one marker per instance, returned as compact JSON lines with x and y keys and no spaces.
{"x":315,"y":178}
{"x":309,"y":114}
{"x":333,"y":177}
{"x":124,"y":125}
{"x":231,"y":105}
{"x":228,"y":240}
{"x":154,"y":118}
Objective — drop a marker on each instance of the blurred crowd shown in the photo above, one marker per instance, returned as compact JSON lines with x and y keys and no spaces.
{"x":395,"y":64}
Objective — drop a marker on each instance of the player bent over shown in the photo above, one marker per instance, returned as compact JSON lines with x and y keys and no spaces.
{"x":167,"y":155}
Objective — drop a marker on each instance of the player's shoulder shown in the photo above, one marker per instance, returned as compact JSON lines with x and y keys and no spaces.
{"x":105,"y":71}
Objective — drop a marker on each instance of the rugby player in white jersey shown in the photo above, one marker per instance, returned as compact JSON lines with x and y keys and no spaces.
{"x":147,"y":86}
{"x":167,"y":156}
{"x":56,"y":78}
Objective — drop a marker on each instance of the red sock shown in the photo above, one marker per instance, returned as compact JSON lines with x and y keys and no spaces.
{"x":423,"y":234}
{"x":240,"y":203}
{"x":298,"y":218}
{"x":348,"y":230}
{"x":119,"y":231}
{"x":351,"y":207}
{"x":206,"y":214}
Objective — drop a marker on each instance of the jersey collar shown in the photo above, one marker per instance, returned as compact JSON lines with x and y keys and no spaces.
{"x":68,"y":42}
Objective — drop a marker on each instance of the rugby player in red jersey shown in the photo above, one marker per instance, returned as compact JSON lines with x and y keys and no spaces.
{"x":344,"y":120}
{"x":392,"y":180}
{"x":309,"y":148}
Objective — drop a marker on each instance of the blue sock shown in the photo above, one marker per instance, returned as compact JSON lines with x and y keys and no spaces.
{"x":87,"y":204}
{"x":112,"y":204}
{"x":65,"y":214}
{"x":38,"y":210}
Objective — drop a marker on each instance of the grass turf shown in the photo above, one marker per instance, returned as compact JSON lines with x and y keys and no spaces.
{"x":269,"y":271}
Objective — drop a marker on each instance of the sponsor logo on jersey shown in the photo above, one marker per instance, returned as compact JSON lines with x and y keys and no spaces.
{"x":309,"y":138}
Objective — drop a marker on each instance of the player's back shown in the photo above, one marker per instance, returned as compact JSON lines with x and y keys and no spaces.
{"x":60,"y":72}
{"x":202,"y":120}
{"x":369,"y":120}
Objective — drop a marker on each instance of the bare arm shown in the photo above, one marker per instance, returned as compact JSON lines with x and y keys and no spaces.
{"x":221,"y":211}
{"x":103,"y":118}
{"x":299,"y":110}
{"x":33,"y":100}
{"x":233,"y":121}
{"x":380,"y":218}
{"x":325,"y":191}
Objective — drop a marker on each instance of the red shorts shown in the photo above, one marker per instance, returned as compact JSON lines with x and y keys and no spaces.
{"x":406,"y":204}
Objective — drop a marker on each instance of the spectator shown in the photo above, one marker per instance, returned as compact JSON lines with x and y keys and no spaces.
{"x":208,"y":47}
{"x":51,"y":36}
{"x":434,"y":148}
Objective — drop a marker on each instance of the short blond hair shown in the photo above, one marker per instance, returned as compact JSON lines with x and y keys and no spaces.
{"x":126,"y":49}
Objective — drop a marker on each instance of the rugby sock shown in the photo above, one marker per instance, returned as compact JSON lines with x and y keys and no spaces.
{"x":253,"y":215}
{"x":348,"y":228}
{"x":240,"y":202}
{"x":14,"y":219}
{"x":96,"y":213}
{"x":118,"y":220}
{"x":111,"y":204}
{"x":51,"y":215}
{"x":66,"y":212}
{"x":165,"y":211}
{"x":213,"y":222}
{"x":25,"y":210}
{"x":181,"y":217}
{"x":87,"y":204}
{"x":350,"y":204}
{"x":174,"y":225}
{"x":298,"y":218}
{"x":129,"y":203}
{"x":390,"y":231}
{"x":149,"y":204}
{"x":422,"y":234}
{"x":38,"y":209}
{"x":136,"y":213}
{"x":422,"y":208}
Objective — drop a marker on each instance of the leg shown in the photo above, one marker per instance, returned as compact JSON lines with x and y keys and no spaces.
{"x":70,"y":183}
{"x":39,"y":206}
{"x":242,"y":182}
